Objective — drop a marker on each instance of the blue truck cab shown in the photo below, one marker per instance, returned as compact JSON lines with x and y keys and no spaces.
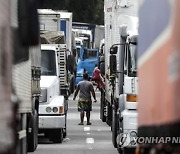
{"x":87,"y":59}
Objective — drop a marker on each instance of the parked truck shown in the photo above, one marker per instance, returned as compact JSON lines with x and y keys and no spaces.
{"x":87,"y":59}
{"x":119,"y":100}
{"x":20,"y":76}
{"x":158,"y":71}
{"x":86,"y":32}
{"x":91,"y":34}
{"x":54,"y":86}
{"x":51,"y":21}
{"x":66,"y":26}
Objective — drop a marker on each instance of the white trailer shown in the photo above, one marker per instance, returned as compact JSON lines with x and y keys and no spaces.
{"x":19,"y":76}
{"x":99,"y":35}
{"x":66,"y":26}
{"x":26,"y":84}
{"x":49,"y":20}
{"x":7,"y":131}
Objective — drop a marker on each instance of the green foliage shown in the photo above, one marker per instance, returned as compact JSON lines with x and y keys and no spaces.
{"x":88,"y":11}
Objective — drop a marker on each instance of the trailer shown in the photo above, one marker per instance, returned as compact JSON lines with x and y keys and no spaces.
{"x":66,"y":26}
{"x":158,"y":65}
{"x":49,"y":20}
{"x":20,"y":76}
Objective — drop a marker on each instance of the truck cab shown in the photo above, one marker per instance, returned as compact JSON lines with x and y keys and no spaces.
{"x":124,"y":125}
{"x":53,"y":105}
{"x":87,"y":59}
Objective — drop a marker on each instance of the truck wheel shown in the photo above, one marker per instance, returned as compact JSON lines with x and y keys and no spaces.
{"x":65,"y":130}
{"x":71,"y":63}
{"x":33,"y":135}
{"x":64,"y":133}
{"x":57,"y":136}
{"x":102,"y":108}
{"x":114,"y":128}
{"x":129,"y":150}
{"x":120,"y":151}
{"x":109,"y":114}
{"x":72,"y":85}
{"x":120,"y":130}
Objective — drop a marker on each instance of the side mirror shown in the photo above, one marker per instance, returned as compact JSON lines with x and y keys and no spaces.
{"x":28,"y":22}
{"x":133,"y":39}
{"x":113,"y":50}
{"x":102,"y":64}
{"x":113,"y":64}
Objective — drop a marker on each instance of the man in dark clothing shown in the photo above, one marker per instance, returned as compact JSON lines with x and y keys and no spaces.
{"x":85,"y":89}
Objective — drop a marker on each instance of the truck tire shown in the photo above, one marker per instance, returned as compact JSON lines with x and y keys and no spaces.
{"x":72,"y":84}
{"x":71,"y":63}
{"x":120,"y":130}
{"x":65,"y":130}
{"x":109,"y":114}
{"x":57,"y":136}
{"x":102,"y":107}
{"x":33,"y":135}
{"x":129,"y":150}
{"x":114,"y":127}
{"x":120,"y":151}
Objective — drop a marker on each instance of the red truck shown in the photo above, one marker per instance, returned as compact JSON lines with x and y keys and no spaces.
{"x":159,"y":77}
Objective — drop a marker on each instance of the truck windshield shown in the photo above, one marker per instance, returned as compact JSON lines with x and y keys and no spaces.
{"x":89,"y":54}
{"x":133,"y":53}
{"x":48,"y":63}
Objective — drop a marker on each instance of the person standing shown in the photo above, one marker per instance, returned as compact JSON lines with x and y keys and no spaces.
{"x":85,"y":89}
{"x":97,"y":77}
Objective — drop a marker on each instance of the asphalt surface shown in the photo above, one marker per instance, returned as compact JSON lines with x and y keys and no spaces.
{"x":93,"y":139}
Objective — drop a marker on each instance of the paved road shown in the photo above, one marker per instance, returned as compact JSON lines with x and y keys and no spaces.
{"x":94,"y":139}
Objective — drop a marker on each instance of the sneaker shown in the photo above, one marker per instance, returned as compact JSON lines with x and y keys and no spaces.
{"x":88,"y":123}
{"x":80,"y":123}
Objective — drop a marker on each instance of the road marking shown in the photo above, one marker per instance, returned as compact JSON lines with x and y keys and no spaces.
{"x":98,"y":130}
{"x":90,"y":140}
{"x":88,"y":133}
{"x":86,"y":129}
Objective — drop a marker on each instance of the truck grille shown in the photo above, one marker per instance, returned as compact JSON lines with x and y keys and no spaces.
{"x":43,"y":96}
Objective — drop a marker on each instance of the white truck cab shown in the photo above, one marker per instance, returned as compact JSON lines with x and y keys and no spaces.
{"x":53,"y":105}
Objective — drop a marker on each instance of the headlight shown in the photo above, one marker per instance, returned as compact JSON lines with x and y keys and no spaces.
{"x":55,"y":109}
{"x":48,"y":109}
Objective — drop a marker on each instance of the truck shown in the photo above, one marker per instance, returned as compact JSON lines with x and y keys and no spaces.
{"x":99,"y":35}
{"x":158,"y":71}
{"x":66,"y":26}
{"x":20,"y":76}
{"x":119,"y":99}
{"x":87,"y":59}
{"x":86,"y":32}
{"x":53,"y":101}
{"x":51,"y":21}
{"x":91,"y":34}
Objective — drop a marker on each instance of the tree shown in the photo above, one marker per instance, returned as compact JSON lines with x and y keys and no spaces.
{"x":88,"y":11}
